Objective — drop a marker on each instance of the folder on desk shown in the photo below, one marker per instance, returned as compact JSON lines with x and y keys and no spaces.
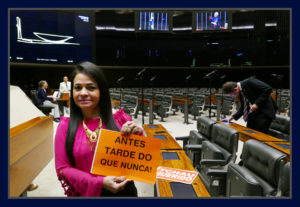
{"x":249,"y":131}
{"x":181,"y":190}
{"x":160,"y":136}
{"x":152,"y":126}
{"x":170,"y":156}
{"x":285,"y":146}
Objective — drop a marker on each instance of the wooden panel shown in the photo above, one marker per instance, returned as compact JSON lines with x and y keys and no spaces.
{"x":26,"y":136}
{"x":163,"y":186}
{"x":169,"y":143}
{"x":31,"y":148}
{"x":23,"y":172}
{"x":244,"y":136}
{"x":181,"y":100}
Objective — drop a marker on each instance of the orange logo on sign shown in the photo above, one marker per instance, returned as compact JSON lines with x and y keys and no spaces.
{"x":135,"y":157}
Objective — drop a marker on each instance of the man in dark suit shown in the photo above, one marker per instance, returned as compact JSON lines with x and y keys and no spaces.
{"x":257,"y":107}
{"x":47,"y":100}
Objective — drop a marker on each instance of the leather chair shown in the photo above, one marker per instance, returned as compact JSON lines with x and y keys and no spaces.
{"x":45,"y":109}
{"x":280,"y":127}
{"x":284,"y":180}
{"x":215,"y":156}
{"x":197,"y":107}
{"x":259,"y":173}
{"x":192,"y":144}
{"x":204,"y":126}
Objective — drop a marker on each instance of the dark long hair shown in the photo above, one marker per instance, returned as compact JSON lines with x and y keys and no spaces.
{"x":76,"y":116}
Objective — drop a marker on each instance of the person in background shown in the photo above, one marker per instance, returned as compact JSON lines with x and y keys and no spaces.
{"x":76,"y":136}
{"x":257,"y":107}
{"x":65,"y":86}
{"x":47,"y":100}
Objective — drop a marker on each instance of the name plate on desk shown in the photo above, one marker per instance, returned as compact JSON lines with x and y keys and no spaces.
{"x":160,"y":136}
{"x":176,"y":175}
{"x":249,"y":131}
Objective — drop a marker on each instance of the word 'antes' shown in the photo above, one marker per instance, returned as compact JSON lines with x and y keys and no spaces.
{"x":130,"y":141}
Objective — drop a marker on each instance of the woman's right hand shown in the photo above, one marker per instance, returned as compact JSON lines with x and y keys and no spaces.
{"x":115,"y":184}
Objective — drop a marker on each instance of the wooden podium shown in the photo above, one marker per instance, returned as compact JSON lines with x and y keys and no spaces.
{"x":31,"y":149}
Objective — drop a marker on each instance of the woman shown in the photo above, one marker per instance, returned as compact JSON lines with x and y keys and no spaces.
{"x":76,"y":137}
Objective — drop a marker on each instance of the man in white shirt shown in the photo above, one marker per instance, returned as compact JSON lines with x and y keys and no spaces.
{"x":65,"y":86}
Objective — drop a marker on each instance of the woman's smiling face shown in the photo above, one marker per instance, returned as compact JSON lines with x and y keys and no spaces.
{"x":86,"y":93}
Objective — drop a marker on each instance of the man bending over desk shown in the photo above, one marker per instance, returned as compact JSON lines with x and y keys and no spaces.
{"x":257,"y":107}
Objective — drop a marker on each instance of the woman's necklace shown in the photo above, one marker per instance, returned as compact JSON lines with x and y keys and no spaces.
{"x":92,"y":135}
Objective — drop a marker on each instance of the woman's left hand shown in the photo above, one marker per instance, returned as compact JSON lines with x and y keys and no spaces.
{"x":131,"y":128}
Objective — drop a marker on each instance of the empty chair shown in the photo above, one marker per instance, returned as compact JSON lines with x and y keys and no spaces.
{"x":259,"y":173}
{"x":197,"y":107}
{"x":45,"y":109}
{"x":280,"y":127}
{"x":192,"y":146}
{"x":130,"y":104}
{"x":204,"y":126}
{"x":215,"y":157}
{"x":284,"y":180}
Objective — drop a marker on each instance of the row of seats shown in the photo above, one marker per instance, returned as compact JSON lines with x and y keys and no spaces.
{"x":165,"y":106}
{"x":212,"y":149}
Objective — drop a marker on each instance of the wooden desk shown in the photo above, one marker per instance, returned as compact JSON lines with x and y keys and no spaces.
{"x":65,"y":97}
{"x":116,"y":103}
{"x":181,"y":100}
{"x":167,"y":144}
{"x":163,"y":187}
{"x":244,"y":135}
{"x":31,"y":149}
{"x":277,"y":146}
{"x":147,"y":102}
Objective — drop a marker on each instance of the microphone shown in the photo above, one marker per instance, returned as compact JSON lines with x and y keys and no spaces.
{"x":209,"y":75}
{"x":120,"y":79}
{"x":153,"y":78}
{"x":188,"y":77}
{"x":141,"y":72}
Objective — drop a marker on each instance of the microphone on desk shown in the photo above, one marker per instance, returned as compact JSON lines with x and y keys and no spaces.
{"x":120,"y":79}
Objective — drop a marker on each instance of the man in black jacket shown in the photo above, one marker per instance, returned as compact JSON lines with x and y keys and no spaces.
{"x":257,"y":107}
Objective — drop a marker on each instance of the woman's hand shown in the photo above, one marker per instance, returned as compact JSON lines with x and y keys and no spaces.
{"x":131,"y":128}
{"x":114,"y":184}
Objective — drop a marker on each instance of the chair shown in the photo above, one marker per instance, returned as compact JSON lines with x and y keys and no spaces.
{"x":215,"y":156}
{"x":284,"y":181}
{"x":204,"y":126}
{"x":259,"y":173}
{"x":197,"y":106}
{"x":45,"y":109}
{"x":280,"y":127}
{"x":192,"y":146}
{"x":130,"y":105}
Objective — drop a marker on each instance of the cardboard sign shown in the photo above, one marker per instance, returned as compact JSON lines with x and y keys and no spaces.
{"x":135,"y":157}
{"x":177,"y":175}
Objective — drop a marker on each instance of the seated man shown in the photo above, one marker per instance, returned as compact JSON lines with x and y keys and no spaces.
{"x":47,"y":100}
